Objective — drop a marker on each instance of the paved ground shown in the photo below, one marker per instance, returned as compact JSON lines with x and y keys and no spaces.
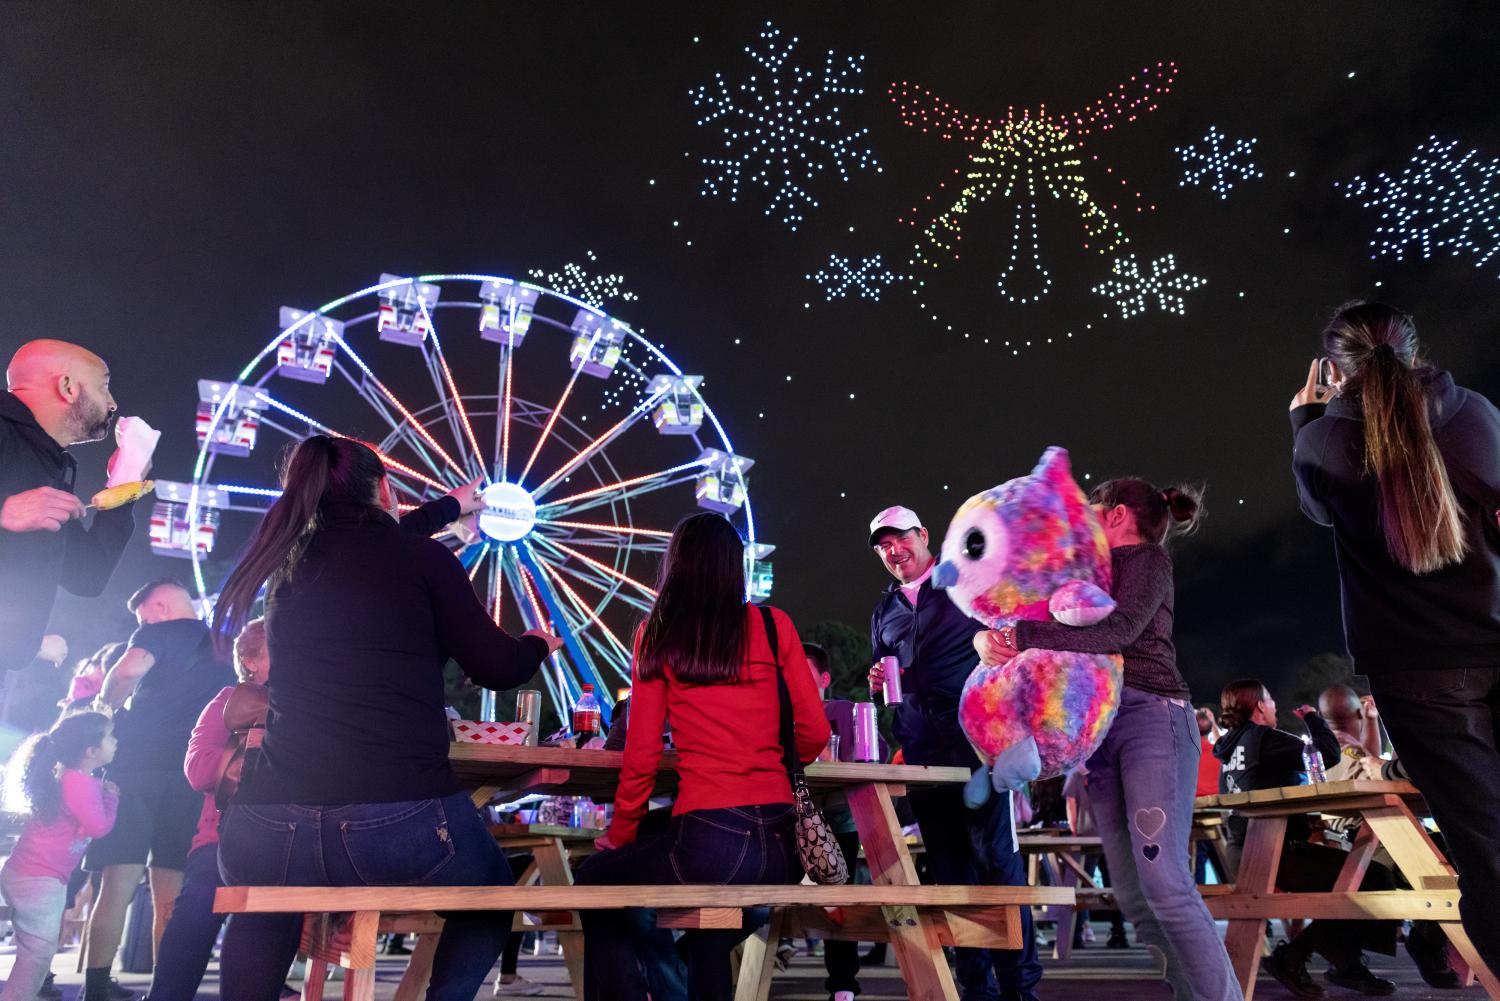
{"x":1093,"y":974}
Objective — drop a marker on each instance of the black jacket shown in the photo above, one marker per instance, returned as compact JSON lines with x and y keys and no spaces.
{"x":1255,"y":756}
{"x":358,"y":640}
{"x":1394,"y":619}
{"x":34,"y":564}
{"x":935,"y":643}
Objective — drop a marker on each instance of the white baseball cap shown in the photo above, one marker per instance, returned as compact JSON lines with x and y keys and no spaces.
{"x":898,"y":518}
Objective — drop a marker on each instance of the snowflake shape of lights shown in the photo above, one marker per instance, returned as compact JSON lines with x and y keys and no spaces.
{"x":782,"y":127}
{"x":1228,"y":166}
{"x":1131,"y":289}
{"x":842,"y":275}
{"x":1023,"y":156}
{"x":593,"y":289}
{"x":1442,"y":200}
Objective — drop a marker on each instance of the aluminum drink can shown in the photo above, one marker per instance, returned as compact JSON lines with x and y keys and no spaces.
{"x":529,"y":710}
{"x":866,"y":733}
{"x":891,"y":668}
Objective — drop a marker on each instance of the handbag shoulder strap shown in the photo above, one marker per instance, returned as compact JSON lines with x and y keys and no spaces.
{"x":784,"y":696}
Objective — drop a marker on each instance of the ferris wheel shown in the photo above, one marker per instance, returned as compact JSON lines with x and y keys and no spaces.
{"x":590,"y":441}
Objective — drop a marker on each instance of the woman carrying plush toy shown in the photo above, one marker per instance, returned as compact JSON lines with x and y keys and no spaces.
{"x":1141,"y":779}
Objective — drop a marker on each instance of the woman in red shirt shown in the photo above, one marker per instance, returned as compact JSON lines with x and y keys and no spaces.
{"x":703,"y":662}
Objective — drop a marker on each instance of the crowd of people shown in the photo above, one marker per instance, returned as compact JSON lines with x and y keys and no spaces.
{"x":341,"y":614}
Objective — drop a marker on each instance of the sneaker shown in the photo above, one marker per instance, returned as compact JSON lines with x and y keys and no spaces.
{"x":49,"y":991}
{"x":841,"y":996}
{"x":1356,"y":976}
{"x":119,"y":993}
{"x":784,"y":953}
{"x":1117,"y":939}
{"x":518,"y":988}
{"x":1291,"y":972}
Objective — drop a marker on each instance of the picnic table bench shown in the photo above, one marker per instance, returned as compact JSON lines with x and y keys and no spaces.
{"x":917,"y":920}
{"x":1390,"y":820}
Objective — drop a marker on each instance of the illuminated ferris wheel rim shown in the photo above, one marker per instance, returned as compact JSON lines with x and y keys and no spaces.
{"x":205,"y":450}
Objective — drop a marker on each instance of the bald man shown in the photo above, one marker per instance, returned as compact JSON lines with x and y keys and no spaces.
{"x":58,"y":396}
{"x":1352,"y":718}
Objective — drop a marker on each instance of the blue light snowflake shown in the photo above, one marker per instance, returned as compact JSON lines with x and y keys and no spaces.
{"x":1442,"y":200}
{"x":841,"y":276}
{"x":783,"y":127}
{"x":1228,"y":166}
{"x":596,"y":290}
{"x":1131,"y":290}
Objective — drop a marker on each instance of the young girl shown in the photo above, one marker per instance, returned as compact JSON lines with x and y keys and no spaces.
{"x":68,"y":808}
{"x":1142,"y":777}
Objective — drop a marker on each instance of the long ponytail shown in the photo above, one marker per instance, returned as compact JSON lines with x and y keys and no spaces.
{"x":1375,"y":347}
{"x":40,"y":756}
{"x":319,"y":469}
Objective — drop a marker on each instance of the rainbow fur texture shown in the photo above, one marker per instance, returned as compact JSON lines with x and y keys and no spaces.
{"x":1032,"y":549}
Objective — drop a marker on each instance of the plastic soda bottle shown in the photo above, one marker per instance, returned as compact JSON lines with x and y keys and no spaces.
{"x":586,"y":716}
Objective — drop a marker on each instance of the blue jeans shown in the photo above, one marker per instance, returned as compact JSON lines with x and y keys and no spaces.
{"x":426,"y":842}
{"x":1445,"y":727}
{"x":187,"y":943}
{"x":977,"y":848}
{"x":742,"y":844}
{"x":36,"y":904}
{"x":1141,"y":783}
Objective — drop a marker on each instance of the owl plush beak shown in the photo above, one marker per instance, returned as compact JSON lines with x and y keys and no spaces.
{"x":945,"y":576}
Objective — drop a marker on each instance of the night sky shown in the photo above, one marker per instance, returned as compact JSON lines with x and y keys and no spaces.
{"x":171,"y":174}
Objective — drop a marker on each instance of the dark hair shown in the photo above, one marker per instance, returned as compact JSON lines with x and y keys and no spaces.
{"x":1175,"y":511}
{"x":145,"y":591}
{"x":698,"y":622}
{"x":815,"y":653}
{"x":320,"y":469}
{"x":104,"y":657}
{"x":1376,"y":350}
{"x":1238,"y":700}
{"x":63,"y":745}
{"x":251,"y":642}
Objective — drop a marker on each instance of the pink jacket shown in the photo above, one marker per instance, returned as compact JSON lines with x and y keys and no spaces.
{"x":53,"y":847}
{"x":205,"y":753}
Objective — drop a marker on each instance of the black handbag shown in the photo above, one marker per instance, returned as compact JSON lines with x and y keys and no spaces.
{"x":817,"y":848}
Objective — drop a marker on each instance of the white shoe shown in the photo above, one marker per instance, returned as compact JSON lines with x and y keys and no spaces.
{"x":843,"y":996}
{"x":518,"y":988}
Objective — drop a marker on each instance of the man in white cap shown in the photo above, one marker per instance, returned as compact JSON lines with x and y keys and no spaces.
{"x":933,"y":642}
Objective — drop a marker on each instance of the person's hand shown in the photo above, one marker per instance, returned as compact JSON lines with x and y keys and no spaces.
{"x":1303,"y":710}
{"x":993,"y":649}
{"x":603,"y":843}
{"x":110,"y":787}
{"x":54,"y":649}
{"x":42,"y":509}
{"x":877,"y":678}
{"x":469,"y":496}
{"x":1311,"y":392}
{"x":554,"y":643}
{"x":1367,"y":702}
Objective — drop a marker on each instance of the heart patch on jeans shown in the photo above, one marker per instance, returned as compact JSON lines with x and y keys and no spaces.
{"x":1149,"y":822}
{"x":1151,"y":851}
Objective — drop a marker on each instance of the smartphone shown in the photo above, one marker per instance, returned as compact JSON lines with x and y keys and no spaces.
{"x":1325,"y":373}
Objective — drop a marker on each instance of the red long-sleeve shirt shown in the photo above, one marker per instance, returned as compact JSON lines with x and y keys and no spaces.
{"x":728,"y":736}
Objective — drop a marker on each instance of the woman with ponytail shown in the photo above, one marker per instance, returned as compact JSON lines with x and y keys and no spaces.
{"x":352,"y":784}
{"x":1404,"y":466}
{"x":1142,"y":777}
{"x":67,"y":807}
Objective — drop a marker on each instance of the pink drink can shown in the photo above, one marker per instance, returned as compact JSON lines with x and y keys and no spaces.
{"x":866,"y":733}
{"x":891,"y":668}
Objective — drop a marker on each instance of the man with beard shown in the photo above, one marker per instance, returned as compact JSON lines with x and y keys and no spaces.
{"x":59,"y":396}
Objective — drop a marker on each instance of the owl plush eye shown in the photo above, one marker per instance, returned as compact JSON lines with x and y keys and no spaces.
{"x":974,"y":544}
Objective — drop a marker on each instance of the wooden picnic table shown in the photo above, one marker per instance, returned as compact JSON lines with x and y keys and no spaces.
{"x":1061,"y":856}
{"x":916,"y":935}
{"x":1390,"y":813}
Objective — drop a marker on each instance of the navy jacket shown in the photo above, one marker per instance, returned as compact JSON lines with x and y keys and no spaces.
{"x":34,"y":564}
{"x":1395,"y":620}
{"x":935,"y":643}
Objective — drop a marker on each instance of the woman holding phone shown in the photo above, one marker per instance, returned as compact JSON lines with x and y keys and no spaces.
{"x":1404,"y":465}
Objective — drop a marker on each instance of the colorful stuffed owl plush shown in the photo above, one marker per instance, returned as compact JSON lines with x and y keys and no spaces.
{"x":1032,"y":549}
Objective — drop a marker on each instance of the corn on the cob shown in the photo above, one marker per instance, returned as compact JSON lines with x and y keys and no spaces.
{"x":114,"y":497}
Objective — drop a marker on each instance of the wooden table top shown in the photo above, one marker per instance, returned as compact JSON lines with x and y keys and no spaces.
{"x":1322,"y":797}
{"x":596,"y":773}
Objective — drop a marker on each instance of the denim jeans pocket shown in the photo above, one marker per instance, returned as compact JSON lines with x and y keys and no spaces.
{"x":254,"y":848}
{"x":708,"y":850}
{"x":409,"y":844}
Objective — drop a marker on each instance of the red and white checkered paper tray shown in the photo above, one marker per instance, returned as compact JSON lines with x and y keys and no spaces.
{"x":490,"y":733}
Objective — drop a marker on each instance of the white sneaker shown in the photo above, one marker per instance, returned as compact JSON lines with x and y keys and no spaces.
{"x":518,"y":988}
{"x":843,"y":996}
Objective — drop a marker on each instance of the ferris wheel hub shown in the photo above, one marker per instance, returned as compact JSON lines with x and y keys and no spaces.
{"x":509,"y":512}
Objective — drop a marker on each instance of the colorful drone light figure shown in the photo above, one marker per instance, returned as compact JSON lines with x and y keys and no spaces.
{"x":1022,"y":156}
